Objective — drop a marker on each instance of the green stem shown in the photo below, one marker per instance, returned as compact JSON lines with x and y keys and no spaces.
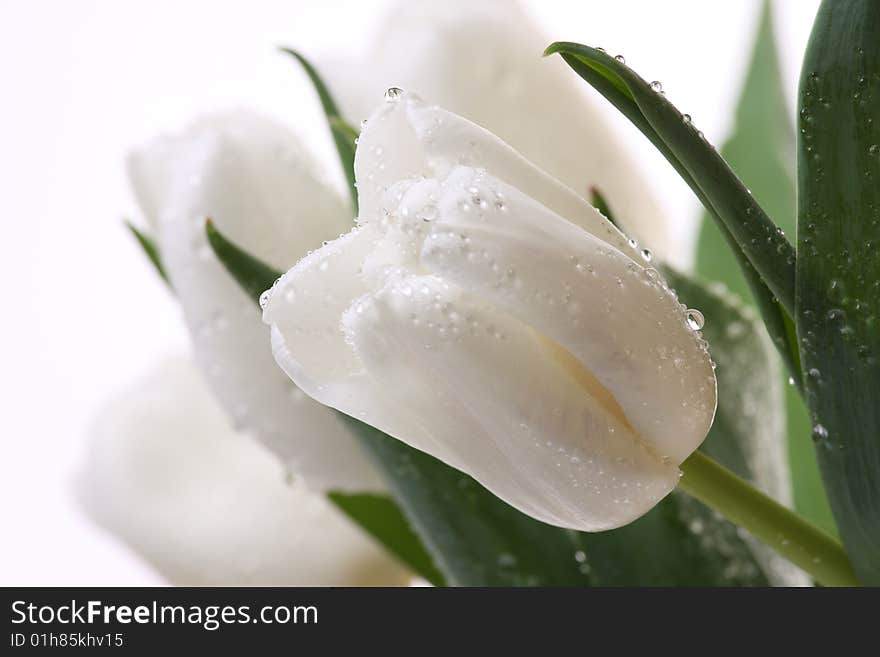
{"x":805,"y":545}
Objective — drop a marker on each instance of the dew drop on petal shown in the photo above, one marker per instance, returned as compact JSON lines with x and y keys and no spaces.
{"x":621,"y":59}
{"x":428,"y":213}
{"x":656,"y":86}
{"x":393,"y":94}
{"x":695,"y":319}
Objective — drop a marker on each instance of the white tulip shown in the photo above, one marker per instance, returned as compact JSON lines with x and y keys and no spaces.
{"x":206,"y":505}
{"x":482,"y":59}
{"x":484,"y":313}
{"x":262,"y":191}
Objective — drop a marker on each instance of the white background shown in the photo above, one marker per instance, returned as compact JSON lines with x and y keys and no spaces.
{"x":82,"y":81}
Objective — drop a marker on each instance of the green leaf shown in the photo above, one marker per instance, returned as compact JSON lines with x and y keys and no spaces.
{"x":383,"y":520}
{"x":748,"y":435}
{"x":476,"y":539}
{"x":838,"y":274}
{"x":598,"y":201}
{"x":254,"y":276}
{"x":745,"y":225}
{"x":341,"y":137}
{"x":761,"y":149}
{"x":148,"y":244}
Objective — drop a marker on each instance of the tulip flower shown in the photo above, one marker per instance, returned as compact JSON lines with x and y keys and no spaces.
{"x":207,"y":505}
{"x":484,"y":313}
{"x":254,"y":180}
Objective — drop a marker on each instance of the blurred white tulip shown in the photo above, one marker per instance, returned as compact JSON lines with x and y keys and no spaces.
{"x":207,"y":505}
{"x":264,"y":192}
{"x":484,"y":313}
{"x":482,"y":59}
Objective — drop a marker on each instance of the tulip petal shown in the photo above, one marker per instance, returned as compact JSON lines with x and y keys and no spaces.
{"x":482,"y":60}
{"x":252,"y":178}
{"x":522,"y":426}
{"x":304,"y":312}
{"x":615,"y":316}
{"x":430,"y":141}
{"x":205,"y":505}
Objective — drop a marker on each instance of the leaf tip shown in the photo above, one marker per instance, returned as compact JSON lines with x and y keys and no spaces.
{"x":553,"y":48}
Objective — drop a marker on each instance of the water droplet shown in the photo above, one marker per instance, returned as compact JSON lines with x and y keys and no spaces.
{"x":686,"y":118}
{"x":791,"y":380}
{"x":820,"y":432}
{"x":646,"y":255}
{"x":656,"y":86}
{"x":393,"y":94}
{"x":695,"y":319}
{"x":580,"y":556}
{"x":874,"y":149}
{"x":428,"y":213}
{"x":632,"y":243}
{"x":620,"y":58}
{"x":264,"y":299}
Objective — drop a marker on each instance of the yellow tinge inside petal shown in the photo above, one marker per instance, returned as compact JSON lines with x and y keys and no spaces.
{"x":587,"y":380}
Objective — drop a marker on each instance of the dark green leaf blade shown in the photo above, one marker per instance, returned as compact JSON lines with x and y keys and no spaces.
{"x":598,"y":201}
{"x":344,"y":145}
{"x":838,"y":286}
{"x":383,"y":520}
{"x":253,"y":275}
{"x":148,"y":244}
{"x":761,"y":149}
{"x":717,"y":187}
{"x":748,"y":435}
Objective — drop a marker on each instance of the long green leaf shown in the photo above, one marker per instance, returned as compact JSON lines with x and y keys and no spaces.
{"x":838,"y":275}
{"x":750,"y":232}
{"x":344,"y":145}
{"x":748,"y":435}
{"x":380,"y":516}
{"x":478,"y":540}
{"x":252,"y":274}
{"x":148,"y":244}
{"x":761,"y":149}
